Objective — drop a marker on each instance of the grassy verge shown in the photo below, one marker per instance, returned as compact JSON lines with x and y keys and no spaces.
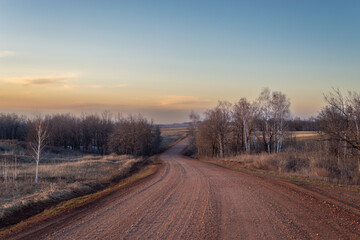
{"x":63,"y":175}
{"x":85,"y":200}
{"x":60,"y":180}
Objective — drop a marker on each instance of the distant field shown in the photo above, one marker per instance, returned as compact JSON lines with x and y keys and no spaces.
{"x":172,"y":134}
{"x":306,"y":135}
{"x":172,"y":131}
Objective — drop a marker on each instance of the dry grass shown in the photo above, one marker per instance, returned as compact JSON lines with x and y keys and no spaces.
{"x":313,"y":164}
{"x":305,"y":135}
{"x":60,"y":178}
{"x":63,"y":206}
{"x":170,"y":131}
{"x":63,"y":174}
{"x":279,"y":162}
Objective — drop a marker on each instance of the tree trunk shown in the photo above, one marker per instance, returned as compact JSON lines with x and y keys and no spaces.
{"x":267,"y":137}
{"x":221,"y":148}
{"x":5,"y":170}
{"x":37,"y":171}
{"x":245,"y":137}
{"x":357,"y":129}
{"x":254,"y":141}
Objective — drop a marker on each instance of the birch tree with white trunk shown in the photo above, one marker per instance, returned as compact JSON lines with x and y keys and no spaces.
{"x":274,"y":109}
{"x":280,"y":107}
{"x":38,"y":135}
{"x":195,"y":120}
{"x":265,"y":117}
{"x":244,"y":116}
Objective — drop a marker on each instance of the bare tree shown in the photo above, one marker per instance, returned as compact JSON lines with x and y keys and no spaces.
{"x":39,"y":135}
{"x":195,"y":120}
{"x":244,"y":128}
{"x":339,"y":120}
{"x":5,"y":170}
{"x":206,"y":138}
{"x":265,"y":118}
{"x":274,"y":110}
{"x":214,"y":130}
{"x":135,"y":135}
{"x":280,"y":107}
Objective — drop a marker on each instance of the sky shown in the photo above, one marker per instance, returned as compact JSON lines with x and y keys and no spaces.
{"x":166,"y":58}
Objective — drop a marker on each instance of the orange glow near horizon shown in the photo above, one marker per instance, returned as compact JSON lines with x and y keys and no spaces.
{"x":164,"y":59}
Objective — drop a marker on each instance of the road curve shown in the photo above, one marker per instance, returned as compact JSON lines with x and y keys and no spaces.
{"x":189,"y":199}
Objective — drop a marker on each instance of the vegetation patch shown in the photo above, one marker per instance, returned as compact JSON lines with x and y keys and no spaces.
{"x":260,"y":135}
{"x":60,"y":179}
{"x":65,"y":206}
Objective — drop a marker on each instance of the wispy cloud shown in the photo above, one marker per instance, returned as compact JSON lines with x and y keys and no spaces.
{"x":6,"y":53}
{"x":42,"y":80}
{"x":182,"y":101}
{"x":61,"y":81}
{"x":88,"y":107}
{"x":98,"y":86}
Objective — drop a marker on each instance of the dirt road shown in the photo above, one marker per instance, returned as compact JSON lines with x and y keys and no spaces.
{"x":189,"y":199}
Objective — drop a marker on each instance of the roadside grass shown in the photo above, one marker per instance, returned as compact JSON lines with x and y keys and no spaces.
{"x":306,"y":154}
{"x":63,"y":175}
{"x":296,"y":163}
{"x":59,"y":180}
{"x":71,"y":204}
{"x":293,"y":177}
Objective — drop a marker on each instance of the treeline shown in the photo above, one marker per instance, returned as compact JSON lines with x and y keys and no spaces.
{"x":265,"y":125}
{"x":134,"y":135}
{"x":298,"y":124}
{"x":90,"y":133}
{"x":13,"y":126}
{"x":243,"y":127}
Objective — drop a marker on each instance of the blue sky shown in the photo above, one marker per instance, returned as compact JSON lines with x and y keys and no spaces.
{"x":165,"y":58}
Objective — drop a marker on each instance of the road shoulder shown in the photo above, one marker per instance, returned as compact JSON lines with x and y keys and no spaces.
{"x":66,"y":212}
{"x":346,"y":198}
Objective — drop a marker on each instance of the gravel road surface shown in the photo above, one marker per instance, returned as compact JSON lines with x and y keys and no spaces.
{"x":189,"y":199}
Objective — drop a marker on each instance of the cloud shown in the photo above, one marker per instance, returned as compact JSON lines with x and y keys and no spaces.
{"x":6,"y":54}
{"x":41,"y":80}
{"x":59,"y":81}
{"x":96,"y":86}
{"x":88,"y":107}
{"x":182,"y":101}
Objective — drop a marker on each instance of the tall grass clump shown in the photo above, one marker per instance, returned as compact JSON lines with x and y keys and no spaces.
{"x":311,"y":159}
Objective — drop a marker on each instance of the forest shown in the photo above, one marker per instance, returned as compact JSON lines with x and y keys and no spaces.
{"x":89,"y":133}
